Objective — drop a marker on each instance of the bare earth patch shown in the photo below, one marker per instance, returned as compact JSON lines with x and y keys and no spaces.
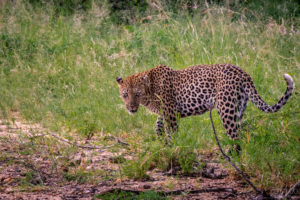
{"x":31,"y":168}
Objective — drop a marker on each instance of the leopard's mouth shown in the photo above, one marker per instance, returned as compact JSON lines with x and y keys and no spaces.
{"x":132,"y":111}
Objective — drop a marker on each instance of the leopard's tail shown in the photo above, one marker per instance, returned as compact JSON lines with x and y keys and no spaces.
{"x":256,"y":99}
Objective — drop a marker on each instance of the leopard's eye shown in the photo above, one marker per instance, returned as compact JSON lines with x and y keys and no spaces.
{"x":138,"y":93}
{"x":125,"y":95}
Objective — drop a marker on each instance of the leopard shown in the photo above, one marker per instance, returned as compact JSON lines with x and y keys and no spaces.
{"x":174,"y":94}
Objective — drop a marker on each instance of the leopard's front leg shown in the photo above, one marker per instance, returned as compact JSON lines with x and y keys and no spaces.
{"x":168,"y":111}
{"x":171,"y":124}
{"x":159,"y":128}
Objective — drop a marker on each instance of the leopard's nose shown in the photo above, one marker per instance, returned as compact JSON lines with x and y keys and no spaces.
{"x":132,"y":110}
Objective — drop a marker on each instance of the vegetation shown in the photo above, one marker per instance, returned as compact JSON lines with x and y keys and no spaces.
{"x":58,"y":68}
{"x":129,"y":196}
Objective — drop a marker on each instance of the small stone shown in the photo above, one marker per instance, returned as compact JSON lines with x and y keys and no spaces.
{"x":9,"y":190}
{"x":7,"y":180}
{"x":2,"y":178}
{"x":147,"y":186}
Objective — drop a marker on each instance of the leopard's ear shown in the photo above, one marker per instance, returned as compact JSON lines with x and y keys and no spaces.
{"x":119,"y":80}
{"x":145,"y":79}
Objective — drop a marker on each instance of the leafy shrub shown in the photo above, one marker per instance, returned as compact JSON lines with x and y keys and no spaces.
{"x":123,"y":11}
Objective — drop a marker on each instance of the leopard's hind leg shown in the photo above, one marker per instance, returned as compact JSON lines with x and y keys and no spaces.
{"x":228,"y":109}
{"x":242,"y":102}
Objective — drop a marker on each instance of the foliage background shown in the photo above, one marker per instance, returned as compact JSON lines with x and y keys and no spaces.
{"x":59,"y":60}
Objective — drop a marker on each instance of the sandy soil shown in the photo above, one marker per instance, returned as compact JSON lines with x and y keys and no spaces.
{"x":48,"y":181}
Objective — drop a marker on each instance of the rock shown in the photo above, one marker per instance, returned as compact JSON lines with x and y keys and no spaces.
{"x":9,"y":190}
{"x":146,"y":186}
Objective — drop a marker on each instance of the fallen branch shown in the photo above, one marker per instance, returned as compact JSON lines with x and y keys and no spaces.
{"x":82,"y":146}
{"x":261,"y":194}
{"x":172,"y":192}
{"x":205,"y":190}
{"x":210,"y":107}
{"x":292,"y":191}
{"x":78,"y":145}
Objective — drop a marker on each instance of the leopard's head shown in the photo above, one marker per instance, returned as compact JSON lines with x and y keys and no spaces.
{"x":133,"y":91}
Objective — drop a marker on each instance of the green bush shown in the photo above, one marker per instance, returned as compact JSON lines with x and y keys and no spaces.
{"x":64,"y":7}
{"x":123,"y":11}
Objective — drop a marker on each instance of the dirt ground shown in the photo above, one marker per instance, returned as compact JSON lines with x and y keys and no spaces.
{"x":48,"y":182}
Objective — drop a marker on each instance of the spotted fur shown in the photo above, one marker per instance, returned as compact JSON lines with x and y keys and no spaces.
{"x":180,"y":93}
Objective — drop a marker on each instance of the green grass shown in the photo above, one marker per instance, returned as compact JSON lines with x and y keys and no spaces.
{"x":60,"y":71}
{"x":149,"y":195}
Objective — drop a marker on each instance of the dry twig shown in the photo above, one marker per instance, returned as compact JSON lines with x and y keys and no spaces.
{"x":261,"y":194}
{"x":173,"y":192}
{"x":210,"y":107}
{"x":82,"y":146}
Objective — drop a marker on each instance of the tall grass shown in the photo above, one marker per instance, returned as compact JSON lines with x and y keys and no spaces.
{"x":60,"y":71}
